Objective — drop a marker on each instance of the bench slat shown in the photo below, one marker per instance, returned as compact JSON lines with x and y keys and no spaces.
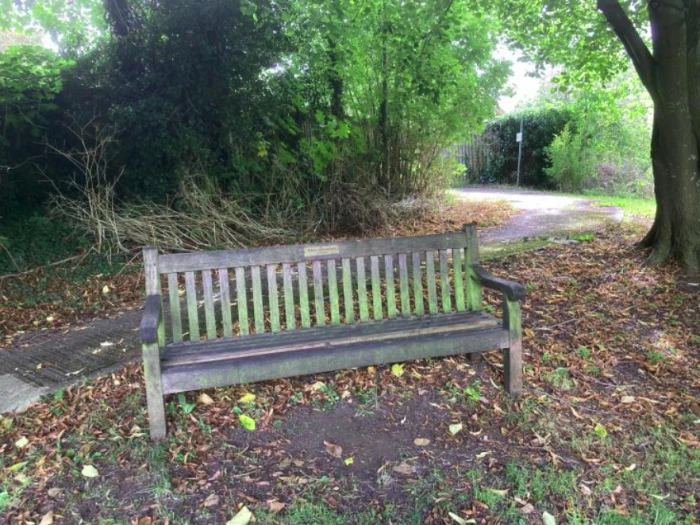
{"x":225,"y":291}
{"x":333,"y":292}
{"x":347,"y":292}
{"x":473,"y":288}
{"x":175,"y":315}
{"x":273,"y":298}
{"x":209,"y":312}
{"x":403,"y":285}
{"x":390,"y":288}
{"x":211,"y":260}
{"x":304,"y":296}
{"x":458,"y":273}
{"x":372,"y":333}
{"x":376,"y":288}
{"x":445,"y":283}
{"x":417,"y":284}
{"x":289,"y":319}
{"x":242,"y":299}
{"x":318,"y":293}
{"x":323,"y":333}
{"x":192,"y":314}
{"x":362,"y":289}
{"x":258,"y":308}
{"x":430,"y":274}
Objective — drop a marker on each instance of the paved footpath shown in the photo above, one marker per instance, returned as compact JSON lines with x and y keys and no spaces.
{"x":47,"y":361}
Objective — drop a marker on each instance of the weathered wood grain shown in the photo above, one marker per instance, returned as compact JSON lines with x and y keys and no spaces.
{"x":288,"y":284}
{"x":192,"y":314}
{"x":290,"y":364}
{"x":242,"y":300}
{"x":175,"y":314}
{"x":209,"y":312}
{"x":403,"y":286}
{"x":333,"y":292}
{"x":319,"y":307}
{"x":225,"y":291}
{"x":273,"y":298}
{"x":417,"y":283}
{"x":182,"y":262}
{"x":304,"y":296}
{"x":348,"y":303}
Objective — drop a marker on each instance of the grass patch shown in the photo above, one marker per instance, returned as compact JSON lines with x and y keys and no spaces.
{"x":636,"y":206}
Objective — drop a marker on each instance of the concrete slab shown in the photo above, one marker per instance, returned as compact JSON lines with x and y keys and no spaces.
{"x":15,"y":394}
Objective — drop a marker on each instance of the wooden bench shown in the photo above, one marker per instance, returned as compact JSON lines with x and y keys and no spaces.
{"x":424,"y":300}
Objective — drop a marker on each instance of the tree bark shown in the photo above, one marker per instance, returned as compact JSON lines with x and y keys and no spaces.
{"x":670,"y":72}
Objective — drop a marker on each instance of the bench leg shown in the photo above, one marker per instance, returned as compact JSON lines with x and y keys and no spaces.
{"x":474,"y":357}
{"x":154,"y":390}
{"x":512,"y":356}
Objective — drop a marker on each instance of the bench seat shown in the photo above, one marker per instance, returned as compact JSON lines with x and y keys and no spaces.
{"x":221,"y":362}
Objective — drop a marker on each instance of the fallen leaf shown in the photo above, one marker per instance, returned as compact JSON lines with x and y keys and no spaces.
{"x":247,"y":398}
{"x":627,"y":399}
{"x":276,"y":506}
{"x":17,"y":466}
{"x":548,"y":519}
{"x":205,"y":399}
{"x":47,"y":519}
{"x":243,"y":517}
{"x":22,"y":442}
{"x":247,"y":422}
{"x":600,"y":430}
{"x":403,"y":468}
{"x":397,"y":369}
{"x":455,"y":428}
{"x":211,"y":501}
{"x":483,"y":454}
{"x":459,"y":520}
{"x":586,"y":491}
{"x":527,"y":508}
{"x":500,"y":492}
{"x":105,"y":290}
{"x":334,"y":450}
{"x":89,"y":471}
{"x":54,"y":492}
{"x":349,"y":461}
{"x":421,"y":442}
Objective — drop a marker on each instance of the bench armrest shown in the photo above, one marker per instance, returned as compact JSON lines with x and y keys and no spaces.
{"x":152,"y":317}
{"x":512,"y":290}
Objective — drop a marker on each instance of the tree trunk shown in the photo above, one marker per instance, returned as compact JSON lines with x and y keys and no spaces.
{"x":671,"y":75}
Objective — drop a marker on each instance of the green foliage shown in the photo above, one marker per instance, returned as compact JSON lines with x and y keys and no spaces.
{"x":571,"y":163}
{"x":29,"y":85}
{"x":540,"y":128}
{"x":327,"y":112}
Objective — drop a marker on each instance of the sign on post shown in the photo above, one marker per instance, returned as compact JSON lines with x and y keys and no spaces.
{"x":519,"y":137}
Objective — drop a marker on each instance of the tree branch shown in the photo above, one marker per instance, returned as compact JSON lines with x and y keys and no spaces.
{"x":637,"y":50}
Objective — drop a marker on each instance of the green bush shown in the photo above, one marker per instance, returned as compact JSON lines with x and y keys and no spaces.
{"x":571,"y":160}
{"x":501,"y":163}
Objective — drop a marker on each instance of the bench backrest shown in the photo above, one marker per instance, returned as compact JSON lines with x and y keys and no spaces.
{"x":305,"y":285}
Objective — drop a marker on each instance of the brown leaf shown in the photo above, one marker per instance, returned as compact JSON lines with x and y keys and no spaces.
{"x":334,"y":450}
{"x":211,"y":501}
{"x":276,"y":506}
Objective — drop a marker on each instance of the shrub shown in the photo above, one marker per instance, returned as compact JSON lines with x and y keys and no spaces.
{"x":499,"y":165}
{"x":571,"y":161}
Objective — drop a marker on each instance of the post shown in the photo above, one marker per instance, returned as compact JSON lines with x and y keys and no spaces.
{"x":519,"y":139}
{"x":151,"y":351}
{"x":512,"y":356}
{"x":471,"y":285}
